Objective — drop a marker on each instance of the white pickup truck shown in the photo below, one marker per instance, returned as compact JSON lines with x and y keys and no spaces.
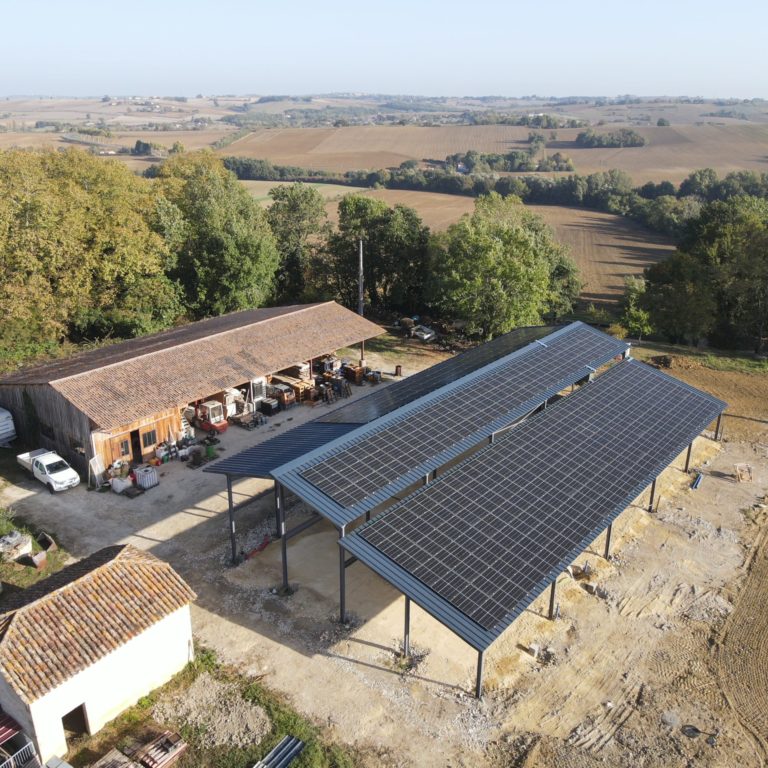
{"x":50,"y":469}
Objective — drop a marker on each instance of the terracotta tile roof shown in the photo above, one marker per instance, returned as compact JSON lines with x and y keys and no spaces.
{"x":65,"y":623}
{"x":134,"y":379}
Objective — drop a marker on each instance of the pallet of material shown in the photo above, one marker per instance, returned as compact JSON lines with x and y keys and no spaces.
{"x":114,"y":759}
{"x":298,"y":371}
{"x":302,"y":389}
{"x":161,"y":752}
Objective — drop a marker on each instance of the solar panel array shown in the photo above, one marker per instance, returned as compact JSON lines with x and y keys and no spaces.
{"x":262,"y":459}
{"x":492,"y":532}
{"x":400,"y":393}
{"x":399,"y":449}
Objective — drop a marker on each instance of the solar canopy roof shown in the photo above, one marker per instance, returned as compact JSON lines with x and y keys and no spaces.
{"x":261,"y":459}
{"x":369,"y":466}
{"x":478,"y":544}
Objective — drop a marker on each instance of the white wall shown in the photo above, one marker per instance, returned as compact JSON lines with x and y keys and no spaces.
{"x":113,"y":683}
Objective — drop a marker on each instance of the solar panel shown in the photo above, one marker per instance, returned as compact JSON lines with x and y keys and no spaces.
{"x":261,"y":459}
{"x":490,"y":534}
{"x":459,"y":417}
{"x":418,"y":384}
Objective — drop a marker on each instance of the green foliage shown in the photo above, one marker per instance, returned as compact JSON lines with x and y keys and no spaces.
{"x":395,"y":246}
{"x":662,"y":122}
{"x":297,"y":218}
{"x":79,"y":255}
{"x":623,"y":137}
{"x":634,"y":318}
{"x":495,"y":269}
{"x":228,"y":256}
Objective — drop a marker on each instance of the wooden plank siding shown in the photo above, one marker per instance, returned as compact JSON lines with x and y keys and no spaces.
{"x":46,"y":419}
{"x":109,"y":444}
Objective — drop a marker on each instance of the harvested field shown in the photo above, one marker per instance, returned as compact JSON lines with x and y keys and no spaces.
{"x":671,"y":153}
{"x":260,"y":190}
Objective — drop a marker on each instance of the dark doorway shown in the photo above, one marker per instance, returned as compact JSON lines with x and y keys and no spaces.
{"x":136,"y":446}
{"x":75,"y":723}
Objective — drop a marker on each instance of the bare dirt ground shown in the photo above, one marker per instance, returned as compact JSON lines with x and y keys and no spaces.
{"x":674,"y":636}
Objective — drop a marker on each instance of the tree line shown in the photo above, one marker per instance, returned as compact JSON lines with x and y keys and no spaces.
{"x":661,"y":206}
{"x":714,"y":286}
{"x":91,"y":252}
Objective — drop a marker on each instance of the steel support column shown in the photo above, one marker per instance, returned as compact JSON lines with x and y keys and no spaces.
{"x":277,"y":509}
{"x":280,"y":505}
{"x":342,"y":581}
{"x":407,"y":630}
{"x":479,"y":679}
{"x":718,"y":433}
{"x":608,"y":531}
{"x":653,"y":496}
{"x":688,"y":457}
{"x":552,"y":591}
{"x":232,"y":538}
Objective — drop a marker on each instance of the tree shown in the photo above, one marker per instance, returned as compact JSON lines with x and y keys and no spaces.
{"x":79,"y":253}
{"x":680,"y":298}
{"x":297,"y":218}
{"x":730,"y":240}
{"x":395,"y":243}
{"x":495,"y":269}
{"x":635,"y":320}
{"x":227,"y":257}
{"x":699,"y":183}
{"x":662,"y":122}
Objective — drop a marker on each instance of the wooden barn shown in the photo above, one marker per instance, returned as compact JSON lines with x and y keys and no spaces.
{"x":121,"y":401}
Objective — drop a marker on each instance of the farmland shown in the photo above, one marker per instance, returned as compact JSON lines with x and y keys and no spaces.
{"x":670,"y":154}
{"x":700,"y":134}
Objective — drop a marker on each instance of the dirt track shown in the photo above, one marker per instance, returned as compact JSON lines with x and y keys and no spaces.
{"x":742,"y":651}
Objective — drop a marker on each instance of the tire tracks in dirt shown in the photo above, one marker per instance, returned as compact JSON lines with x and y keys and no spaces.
{"x":741,"y":651}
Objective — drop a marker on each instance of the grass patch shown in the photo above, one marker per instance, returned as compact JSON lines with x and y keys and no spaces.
{"x":137,"y":723}
{"x":17,"y":575}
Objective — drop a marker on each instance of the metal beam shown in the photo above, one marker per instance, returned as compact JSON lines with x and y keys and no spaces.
{"x":552,"y":600}
{"x":608,"y":531}
{"x":280,"y":506}
{"x":479,"y":679}
{"x":232,"y":537}
{"x":296,"y":530}
{"x":342,"y":580}
{"x":407,"y":630}
{"x":277,"y":509}
{"x":653,"y":496}
{"x":688,"y":457}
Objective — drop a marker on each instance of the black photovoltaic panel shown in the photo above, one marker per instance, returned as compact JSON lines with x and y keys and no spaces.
{"x":259,"y":460}
{"x":381,"y":457}
{"x":488,"y":535}
{"x":416,"y":385}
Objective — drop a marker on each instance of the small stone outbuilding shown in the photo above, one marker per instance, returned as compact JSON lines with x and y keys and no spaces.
{"x":86,"y":643}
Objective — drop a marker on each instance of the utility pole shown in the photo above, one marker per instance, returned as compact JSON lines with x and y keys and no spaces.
{"x":360,"y":296}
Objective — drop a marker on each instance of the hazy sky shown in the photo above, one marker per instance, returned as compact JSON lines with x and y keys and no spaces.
{"x":476,"y":47}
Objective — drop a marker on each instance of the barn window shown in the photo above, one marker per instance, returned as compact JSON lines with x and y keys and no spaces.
{"x":47,"y":431}
{"x":148,"y":439}
{"x":76,"y":446}
{"x":125,"y":448}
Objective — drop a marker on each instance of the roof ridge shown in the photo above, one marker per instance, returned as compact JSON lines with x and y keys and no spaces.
{"x":299,"y":308}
